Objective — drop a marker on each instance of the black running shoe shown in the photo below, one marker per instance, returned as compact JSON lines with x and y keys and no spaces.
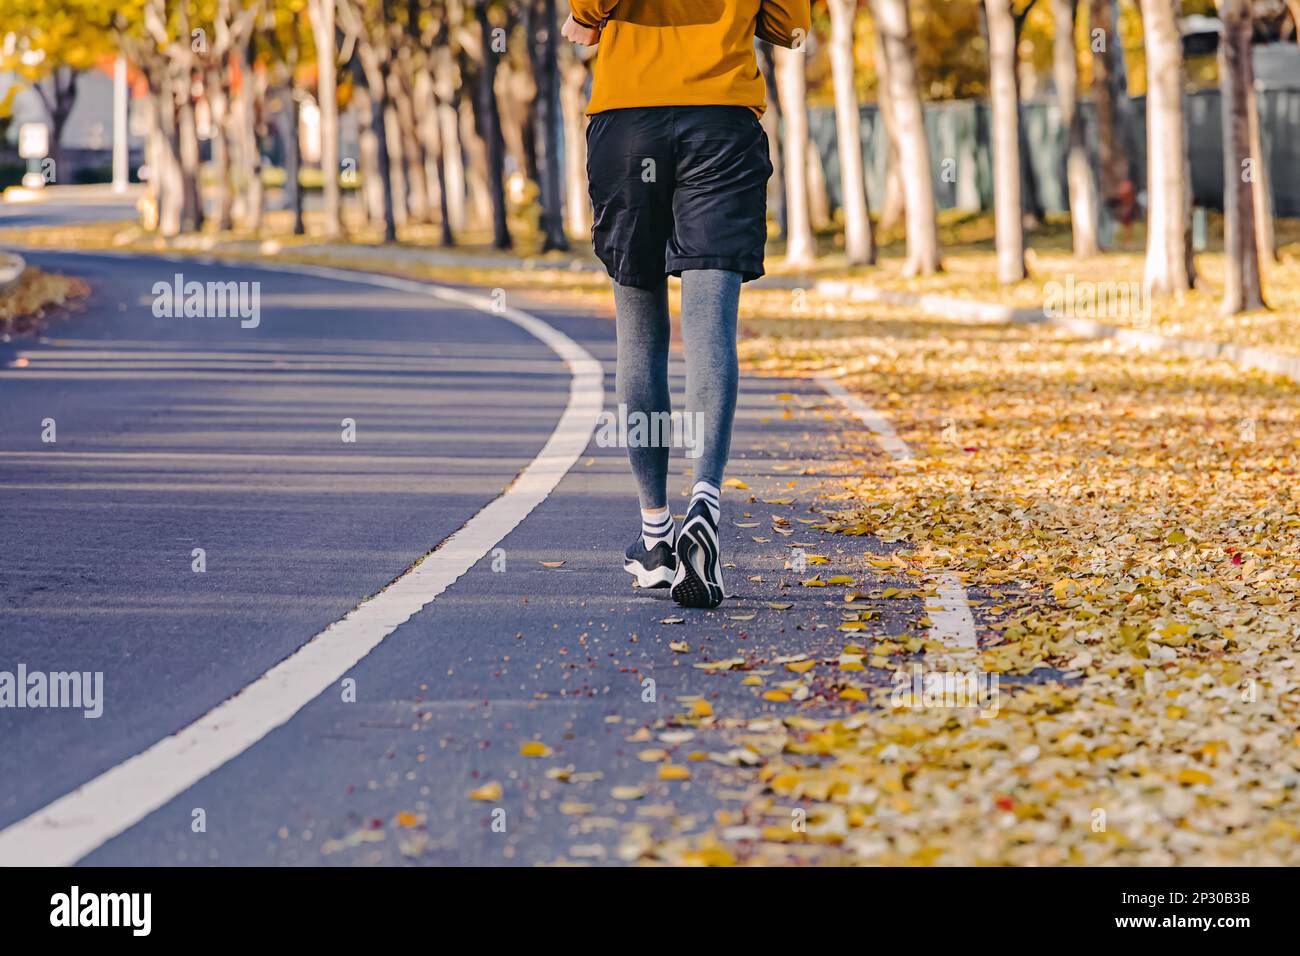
{"x":652,"y":567}
{"x":698,"y":582}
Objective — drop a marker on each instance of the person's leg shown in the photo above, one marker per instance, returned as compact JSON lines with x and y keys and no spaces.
{"x":641,"y":386}
{"x":641,"y":382}
{"x":710,"y":298}
{"x":631,"y":222}
{"x":719,"y":233}
{"x":709,"y":301}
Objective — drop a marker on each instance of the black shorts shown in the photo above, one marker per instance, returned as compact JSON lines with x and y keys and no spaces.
{"x":676,"y":188}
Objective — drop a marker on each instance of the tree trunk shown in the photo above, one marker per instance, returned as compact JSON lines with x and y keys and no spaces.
{"x":1114,"y":177}
{"x":158,"y":151}
{"x":819,"y":197}
{"x":547,"y":76}
{"x":772,"y":126}
{"x":476,"y":155}
{"x":379,"y":112}
{"x":394,"y":146}
{"x":859,"y":243}
{"x":892,"y":211}
{"x":369,"y":182}
{"x":417,"y":185}
{"x":792,"y":87}
{"x":373,"y":72}
{"x":171,"y":186}
{"x":222,"y":162}
{"x":573,"y":102}
{"x":58,"y":104}
{"x":446,"y":89}
{"x":1009,"y":226}
{"x":489,"y":117}
{"x":322,"y":23}
{"x":1265,"y":228}
{"x":187,"y":137}
{"x":290,"y":123}
{"x":1031,"y":205}
{"x":913,"y":147}
{"x":1169,"y":266}
{"x":1078,"y":172}
{"x":249,"y":98}
{"x":1241,"y":290}
{"x":433,"y":147}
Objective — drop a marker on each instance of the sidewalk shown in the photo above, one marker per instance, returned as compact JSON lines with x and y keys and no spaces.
{"x":1130,"y":339}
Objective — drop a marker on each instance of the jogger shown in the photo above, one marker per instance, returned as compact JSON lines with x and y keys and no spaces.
{"x":677,"y":163}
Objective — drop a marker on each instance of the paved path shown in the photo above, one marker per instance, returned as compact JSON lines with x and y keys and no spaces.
{"x":175,"y":434}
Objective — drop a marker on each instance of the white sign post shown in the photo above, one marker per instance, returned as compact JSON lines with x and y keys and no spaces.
{"x":34,"y":146}
{"x":33,"y":141}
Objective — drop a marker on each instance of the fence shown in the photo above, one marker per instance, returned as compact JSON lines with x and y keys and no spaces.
{"x":962,"y":159}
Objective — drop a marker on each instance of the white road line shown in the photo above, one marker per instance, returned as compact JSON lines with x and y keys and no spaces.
{"x":886,"y":437}
{"x":69,"y":828}
{"x":951,"y":621}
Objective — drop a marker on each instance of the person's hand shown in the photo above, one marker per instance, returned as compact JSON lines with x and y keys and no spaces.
{"x":575,"y":32}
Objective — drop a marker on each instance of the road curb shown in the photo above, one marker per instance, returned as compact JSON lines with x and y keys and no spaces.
{"x":969,"y":310}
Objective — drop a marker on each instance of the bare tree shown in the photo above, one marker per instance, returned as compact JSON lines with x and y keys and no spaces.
{"x":446,"y":89}
{"x":1169,"y":265}
{"x":1030,"y":203}
{"x":895,"y":30}
{"x":772,"y":125}
{"x":1115,"y":179}
{"x":164,"y":184}
{"x":892,"y":209}
{"x":792,"y":87}
{"x":543,"y":30}
{"x":58,"y":101}
{"x":178,"y":116}
{"x":1242,"y":288}
{"x":371,"y":181}
{"x":233,"y":22}
{"x":1078,"y":171}
{"x":1265,"y":228}
{"x":574,"y":72}
{"x":246,"y":118}
{"x":859,"y":243}
{"x":1009,"y":226}
{"x":322,"y":14}
{"x":488,"y":115}
{"x":373,"y":63}
{"x":433,"y":91}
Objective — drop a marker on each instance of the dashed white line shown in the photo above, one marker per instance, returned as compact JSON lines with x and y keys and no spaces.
{"x":69,"y":828}
{"x":951,"y":621}
{"x":886,"y":437}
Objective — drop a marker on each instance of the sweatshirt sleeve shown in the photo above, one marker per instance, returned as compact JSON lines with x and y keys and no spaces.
{"x":782,"y":22}
{"x":591,"y":13}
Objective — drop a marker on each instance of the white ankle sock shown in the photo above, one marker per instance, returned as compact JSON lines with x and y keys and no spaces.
{"x":656,"y":526}
{"x":711,"y":495}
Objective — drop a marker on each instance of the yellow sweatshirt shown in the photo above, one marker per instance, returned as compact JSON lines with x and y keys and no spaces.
{"x":685,"y":52}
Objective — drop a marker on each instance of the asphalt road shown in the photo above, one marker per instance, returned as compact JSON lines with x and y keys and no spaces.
{"x":183,"y":433}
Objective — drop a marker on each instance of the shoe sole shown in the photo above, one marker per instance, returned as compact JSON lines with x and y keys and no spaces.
{"x":645,"y":578}
{"x":691,"y":586}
